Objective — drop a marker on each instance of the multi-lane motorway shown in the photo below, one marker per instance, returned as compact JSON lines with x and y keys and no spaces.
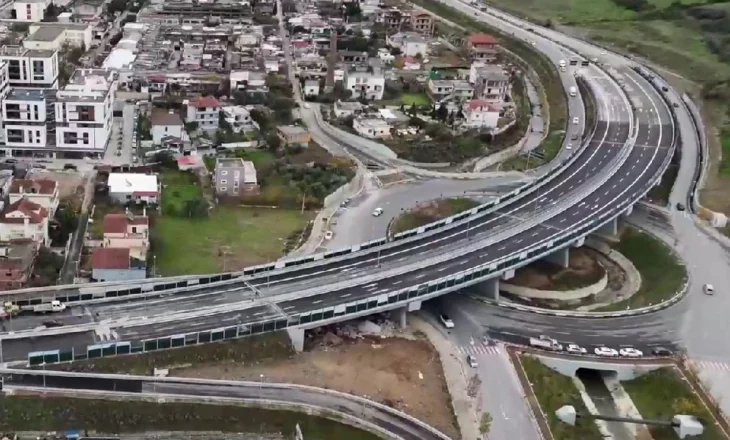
{"x":623,"y":157}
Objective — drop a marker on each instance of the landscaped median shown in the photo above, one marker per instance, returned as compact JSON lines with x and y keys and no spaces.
{"x":662,"y":272}
{"x":430,"y":212}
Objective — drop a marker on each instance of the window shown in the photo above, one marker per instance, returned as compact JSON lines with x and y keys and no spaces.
{"x":224,"y":189}
{"x":38,"y":70}
{"x":224,"y":181}
{"x":15,"y":135}
{"x":223,"y":173}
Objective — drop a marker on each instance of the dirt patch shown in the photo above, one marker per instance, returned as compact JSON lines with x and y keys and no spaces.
{"x":404,"y":374}
{"x":430,"y":212}
{"x":583,"y":270}
{"x":391,"y":178}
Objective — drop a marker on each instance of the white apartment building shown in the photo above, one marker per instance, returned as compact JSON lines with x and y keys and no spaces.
{"x":239,"y":118}
{"x":30,"y":10}
{"x":77,"y":119}
{"x":371,"y":128}
{"x":83,"y":111}
{"x":367,"y":85}
{"x":31,"y":68}
{"x":204,"y":111}
{"x":52,"y":36}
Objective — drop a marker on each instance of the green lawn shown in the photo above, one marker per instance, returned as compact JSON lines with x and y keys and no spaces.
{"x":430,"y":212}
{"x":661,"y":394}
{"x":661,"y":273}
{"x":553,"y":390}
{"x":26,"y":413}
{"x":179,"y":187}
{"x":419,"y":99}
{"x":246,"y":236}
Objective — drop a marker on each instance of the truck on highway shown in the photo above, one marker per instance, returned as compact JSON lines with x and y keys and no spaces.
{"x":573,"y":92}
{"x":546,"y":343}
{"x":51,"y":307}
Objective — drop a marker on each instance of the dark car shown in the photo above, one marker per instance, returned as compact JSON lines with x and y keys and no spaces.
{"x":53,"y":323}
{"x":680,"y":207}
{"x":665,"y":89}
{"x":661,"y":351}
{"x":70,"y":166}
{"x":11,"y":160}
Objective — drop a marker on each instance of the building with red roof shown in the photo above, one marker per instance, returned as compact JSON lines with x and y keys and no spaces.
{"x":41,"y":191}
{"x":127,"y":231}
{"x":479,"y":113}
{"x":204,"y":111}
{"x":25,"y":219}
{"x":481,"y":47}
{"x":116,"y":264}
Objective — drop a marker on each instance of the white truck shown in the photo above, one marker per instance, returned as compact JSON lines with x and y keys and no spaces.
{"x":9,"y":310}
{"x":573,"y":92}
{"x":546,"y":343}
{"x":51,"y":307}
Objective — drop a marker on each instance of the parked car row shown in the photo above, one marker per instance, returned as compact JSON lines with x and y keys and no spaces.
{"x":548,"y":343}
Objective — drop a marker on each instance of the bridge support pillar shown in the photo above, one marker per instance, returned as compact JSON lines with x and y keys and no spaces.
{"x":630,"y":210}
{"x":297,"y":338}
{"x":400,"y":317}
{"x":561,"y":257}
{"x":489,"y":288}
{"x":609,"y":230}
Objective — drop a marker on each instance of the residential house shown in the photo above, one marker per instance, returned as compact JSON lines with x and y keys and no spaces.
{"x":311,"y":87}
{"x":41,"y":191}
{"x":454,"y":90}
{"x":116,"y":264}
{"x":127,"y":231}
{"x":205,"y":112}
{"x":30,"y":10}
{"x":411,"y":63}
{"x":16,"y":263}
{"x":350,"y":56}
{"x":134,"y":188}
{"x":239,"y":118}
{"x":385,"y":55}
{"x":235,"y":177}
{"x":345,"y":109}
{"x":365,"y":84}
{"x":166,"y":123}
{"x":371,"y":128}
{"x":25,"y":219}
{"x":422,"y":22}
{"x":293,"y":135}
{"x":409,"y":43}
{"x":490,"y":82}
{"x":479,"y":113}
{"x":481,"y":47}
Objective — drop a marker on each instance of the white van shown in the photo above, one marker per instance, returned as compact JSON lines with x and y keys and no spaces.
{"x":709,"y":289}
{"x":573,"y":91}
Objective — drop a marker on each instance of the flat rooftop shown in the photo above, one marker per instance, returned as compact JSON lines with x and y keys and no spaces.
{"x":46,"y":34}
{"x":26,"y":95}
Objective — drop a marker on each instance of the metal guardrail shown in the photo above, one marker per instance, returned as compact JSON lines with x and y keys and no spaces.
{"x":701,"y":170}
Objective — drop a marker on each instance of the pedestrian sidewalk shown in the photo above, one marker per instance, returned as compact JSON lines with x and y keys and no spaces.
{"x":456,"y":375}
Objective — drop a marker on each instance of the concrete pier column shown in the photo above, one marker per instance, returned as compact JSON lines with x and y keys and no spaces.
{"x":629,"y":210}
{"x":297,"y":338}
{"x":489,"y":288}
{"x":610,"y":229}
{"x":561,"y":257}
{"x":400,"y":317}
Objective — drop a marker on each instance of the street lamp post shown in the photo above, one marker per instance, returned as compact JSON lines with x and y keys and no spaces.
{"x":261,"y":386}
{"x":683,"y":425}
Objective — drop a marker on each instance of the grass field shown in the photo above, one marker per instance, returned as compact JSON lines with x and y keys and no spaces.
{"x":24,"y":413}
{"x":179,"y":187}
{"x":420,"y":99}
{"x":661,"y":394}
{"x":661,"y":273}
{"x":246,"y":236}
{"x":553,"y":390}
{"x":430,"y":212}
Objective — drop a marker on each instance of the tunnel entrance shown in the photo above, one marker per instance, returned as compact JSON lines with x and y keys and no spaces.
{"x":594,"y":382}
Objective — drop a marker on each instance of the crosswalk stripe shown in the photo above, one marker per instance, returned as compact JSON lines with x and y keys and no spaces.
{"x":711,"y":365}
{"x":479,"y":349}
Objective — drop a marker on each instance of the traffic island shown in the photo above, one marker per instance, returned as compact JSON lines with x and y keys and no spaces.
{"x":429,"y":212}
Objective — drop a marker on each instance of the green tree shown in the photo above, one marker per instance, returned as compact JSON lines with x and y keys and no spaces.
{"x":485,"y":424}
{"x":273,"y":142}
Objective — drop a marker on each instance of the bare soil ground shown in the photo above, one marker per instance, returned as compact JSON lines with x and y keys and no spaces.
{"x":72,"y":185}
{"x":583,"y":270}
{"x":404,"y":374}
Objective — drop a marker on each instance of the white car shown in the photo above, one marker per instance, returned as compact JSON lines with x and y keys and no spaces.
{"x":471,"y":360}
{"x":328,"y":235}
{"x":569,"y":147}
{"x":575,"y":349}
{"x":306,"y":105}
{"x":446,"y":321}
{"x":576,"y":121}
{"x":605,"y":351}
{"x":709,"y":289}
{"x":378,"y":212}
{"x":630,"y":352}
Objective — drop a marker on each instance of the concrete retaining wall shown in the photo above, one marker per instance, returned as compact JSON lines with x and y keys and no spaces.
{"x":559,"y":295}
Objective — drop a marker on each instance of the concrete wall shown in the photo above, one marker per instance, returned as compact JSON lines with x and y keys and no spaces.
{"x":568,"y":367}
{"x":564,"y":295}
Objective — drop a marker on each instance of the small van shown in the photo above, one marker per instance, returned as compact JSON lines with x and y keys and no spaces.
{"x":709,"y":289}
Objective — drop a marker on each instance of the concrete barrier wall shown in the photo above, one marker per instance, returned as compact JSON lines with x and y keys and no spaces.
{"x":559,"y":295}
